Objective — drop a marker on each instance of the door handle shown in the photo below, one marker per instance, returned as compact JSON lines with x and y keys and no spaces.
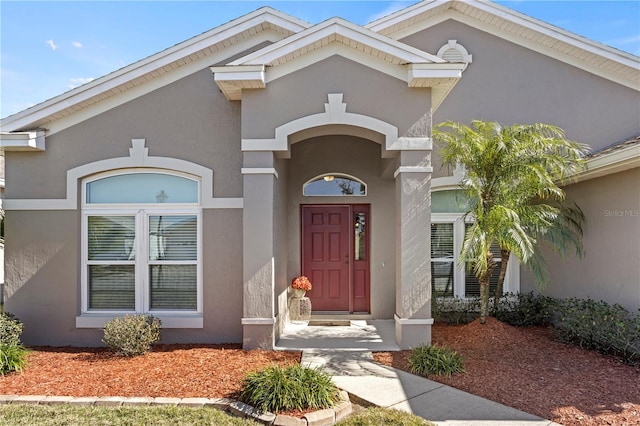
{"x":346,"y":259}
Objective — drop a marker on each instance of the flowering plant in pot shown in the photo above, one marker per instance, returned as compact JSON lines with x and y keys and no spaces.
{"x":300,"y":285}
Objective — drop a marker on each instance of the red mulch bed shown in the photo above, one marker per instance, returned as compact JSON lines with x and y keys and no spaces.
{"x":520,"y":367}
{"x":526,"y":369}
{"x":181,"y":371}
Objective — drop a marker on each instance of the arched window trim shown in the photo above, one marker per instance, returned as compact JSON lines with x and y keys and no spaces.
{"x":137,"y":170}
{"x":141,"y":214}
{"x":335,"y":175}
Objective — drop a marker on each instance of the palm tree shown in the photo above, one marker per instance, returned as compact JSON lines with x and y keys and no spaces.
{"x":512,"y":177}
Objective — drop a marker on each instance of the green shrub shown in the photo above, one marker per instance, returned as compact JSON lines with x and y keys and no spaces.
{"x":455,"y":310}
{"x":376,"y":416}
{"x":524,"y":309}
{"x":10,"y":329}
{"x":12,"y":358}
{"x":425,"y":360}
{"x":132,"y":335}
{"x":294,"y":387}
{"x":608,"y":329}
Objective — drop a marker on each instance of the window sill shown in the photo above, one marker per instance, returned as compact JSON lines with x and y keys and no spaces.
{"x":168,"y":320}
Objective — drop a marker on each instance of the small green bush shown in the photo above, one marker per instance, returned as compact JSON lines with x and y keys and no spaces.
{"x":376,"y":416}
{"x":608,"y":329}
{"x":10,"y":329}
{"x":425,"y":360}
{"x":294,"y":387}
{"x":132,"y":335}
{"x":12,"y":358}
{"x":524,"y":309}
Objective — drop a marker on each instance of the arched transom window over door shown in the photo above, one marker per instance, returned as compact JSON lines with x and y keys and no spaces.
{"x":334,"y":184}
{"x":141,"y":238}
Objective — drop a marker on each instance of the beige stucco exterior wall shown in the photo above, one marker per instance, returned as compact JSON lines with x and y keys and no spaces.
{"x":359,"y":158}
{"x":189,"y":120}
{"x":512,"y":84}
{"x":303,"y":93}
{"x":610,"y":270}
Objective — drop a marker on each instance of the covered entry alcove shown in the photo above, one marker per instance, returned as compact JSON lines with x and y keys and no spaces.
{"x":339,"y":100}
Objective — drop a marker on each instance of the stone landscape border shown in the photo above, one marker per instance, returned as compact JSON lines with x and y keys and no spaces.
{"x":326,"y":417}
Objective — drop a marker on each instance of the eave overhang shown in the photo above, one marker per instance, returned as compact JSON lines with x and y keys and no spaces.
{"x":589,"y":55}
{"x":611,"y":162}
{"x":112,"y":89}
{"x":417,"y":68}
{"x":23,"y":141}
{"x":232,"y":79}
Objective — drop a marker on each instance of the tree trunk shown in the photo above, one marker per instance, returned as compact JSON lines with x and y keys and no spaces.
{"x":504,"y":257}
{"x":484,"y":279}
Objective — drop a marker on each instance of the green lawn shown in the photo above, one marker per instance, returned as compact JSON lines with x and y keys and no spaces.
{"x":17,"y":415}
{"x":56,"y":415}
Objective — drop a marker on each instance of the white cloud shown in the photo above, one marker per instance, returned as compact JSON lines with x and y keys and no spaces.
{"x":51,"y":44}
{"x":79,"y":81}
{"x":77,"y":44}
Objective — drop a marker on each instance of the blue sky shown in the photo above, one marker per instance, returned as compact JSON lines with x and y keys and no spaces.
{"x":49,"y":47}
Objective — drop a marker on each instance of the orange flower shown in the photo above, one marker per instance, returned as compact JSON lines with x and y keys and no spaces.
{"x":301,"y":283}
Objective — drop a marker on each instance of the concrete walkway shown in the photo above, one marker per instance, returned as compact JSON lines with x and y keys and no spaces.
{"x":345,"y":352}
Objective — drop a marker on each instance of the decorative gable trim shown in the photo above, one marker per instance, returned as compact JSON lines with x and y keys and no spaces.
{"x":338,"y":37}
{"x":523,"y":30}
{"x":138,"y":158}
{"x":339,"y":31}
{"x":137,"y":79}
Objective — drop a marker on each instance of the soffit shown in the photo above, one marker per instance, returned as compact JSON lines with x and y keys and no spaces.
{"x":213,"y":45}
{"x":337,"y":30}
{"x":337,"y":36}
{"x":597,"y":58}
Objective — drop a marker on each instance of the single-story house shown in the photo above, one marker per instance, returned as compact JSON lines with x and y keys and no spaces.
{"x":196,"y":183}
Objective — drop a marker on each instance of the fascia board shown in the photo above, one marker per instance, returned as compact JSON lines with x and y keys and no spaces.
{"x":238,"y":72}
{"x":402,"y":15}
{"x":149,"y":64}
{"x":23,"y":141}
{"x":518,"y":19}
{"x":613,"y":162}
{"x":557,"y":33}
{"x":341,"y":27}
{"x":447,"y":70}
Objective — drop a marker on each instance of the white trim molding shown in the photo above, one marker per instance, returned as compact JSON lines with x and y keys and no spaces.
{"x":611,"y":162}
{"x":335,"y":113}
{"x":259,"y":171}
{"x":194,"y":54}
{"x":259,"y":321}
{"x":23,"y":141}
{"x":412,"y":169}
{"x":138,"y":158}
{"x":412,"y":321}
{"x":168,"y":320}
{"x":555,"y":42}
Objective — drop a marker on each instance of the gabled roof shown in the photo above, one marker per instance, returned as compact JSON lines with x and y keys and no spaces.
{"x":271,"y":24}
{"x":416,"y":67}
{"x":594,"y":57}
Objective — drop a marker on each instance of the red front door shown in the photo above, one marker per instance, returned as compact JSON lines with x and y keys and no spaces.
{"x":328,"y":258}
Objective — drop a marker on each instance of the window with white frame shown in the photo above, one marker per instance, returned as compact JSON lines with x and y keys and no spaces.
{"x":141,"y":243}
{"x":450,"y":278}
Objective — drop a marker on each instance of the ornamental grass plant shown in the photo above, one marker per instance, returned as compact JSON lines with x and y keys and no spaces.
{"x":438,"y":360}
{"x":293,"y":387}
